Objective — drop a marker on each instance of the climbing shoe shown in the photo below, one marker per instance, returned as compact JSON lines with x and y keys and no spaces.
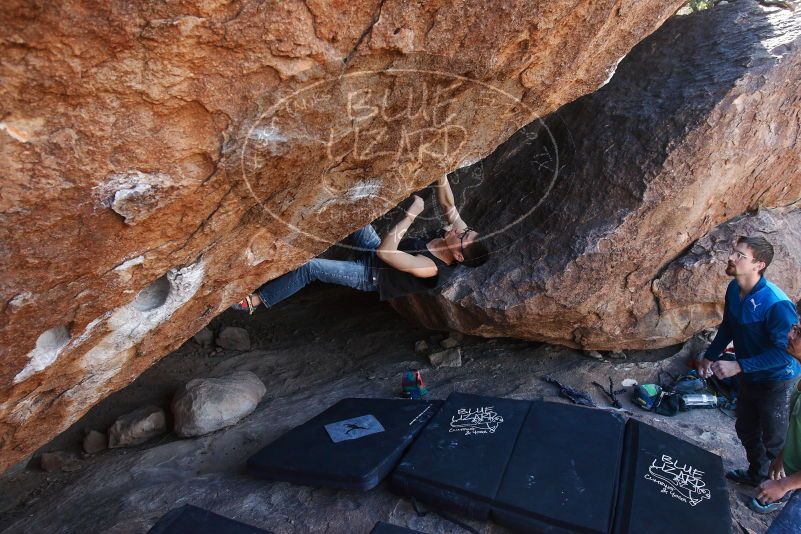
{"x":756,"y":506}
{"x":246,"y":304}
{"x":742,"y":476}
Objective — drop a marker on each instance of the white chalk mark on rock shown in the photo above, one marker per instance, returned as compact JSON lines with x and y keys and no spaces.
{"x":23,"y":299}
{"x":610,"y":72}
{"x":153,"y":296}
{"x":135,"y":194}
{"x":129,"y":324}
{"x":48,"y":347}
{"x":139,"y":260}
{"x":21,"y":130}
{"x":269,"y":137}
{"x":362,"y":190}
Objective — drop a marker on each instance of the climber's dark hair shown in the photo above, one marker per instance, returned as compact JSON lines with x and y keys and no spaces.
{"x":475,"y":253}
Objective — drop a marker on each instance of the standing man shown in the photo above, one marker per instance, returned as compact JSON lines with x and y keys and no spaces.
{"x":758,"y":317}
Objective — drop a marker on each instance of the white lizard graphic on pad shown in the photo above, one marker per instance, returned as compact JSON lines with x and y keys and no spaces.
{"x":476,"y":421}
{"x":681,"y":482}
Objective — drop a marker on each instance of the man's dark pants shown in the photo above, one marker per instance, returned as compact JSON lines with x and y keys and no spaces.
{"x":762,"y":422}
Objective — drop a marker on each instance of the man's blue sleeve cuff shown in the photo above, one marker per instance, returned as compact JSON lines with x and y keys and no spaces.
{"x":770,"y":359}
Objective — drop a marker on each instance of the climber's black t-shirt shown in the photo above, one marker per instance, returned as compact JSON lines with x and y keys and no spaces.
{"x":393,"y":283}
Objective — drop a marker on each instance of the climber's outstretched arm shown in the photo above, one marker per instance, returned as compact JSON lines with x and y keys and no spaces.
{"x":446,"y":201}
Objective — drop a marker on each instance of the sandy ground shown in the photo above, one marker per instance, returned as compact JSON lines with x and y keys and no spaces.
{"x":323,"y":345}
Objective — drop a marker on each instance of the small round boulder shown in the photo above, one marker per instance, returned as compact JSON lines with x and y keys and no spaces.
{"x":233,"y":338}
{"x":207,"y":404}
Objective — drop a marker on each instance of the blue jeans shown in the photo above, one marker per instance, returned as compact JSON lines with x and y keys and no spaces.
{"x":789,"y":519}
{"x":357,"y":273}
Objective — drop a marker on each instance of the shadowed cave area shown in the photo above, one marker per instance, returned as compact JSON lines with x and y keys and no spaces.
{"x":310,"y":353}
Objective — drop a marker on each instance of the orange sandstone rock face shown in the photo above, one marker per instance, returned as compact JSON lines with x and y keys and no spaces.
{"x":613,"y":230}
{"x":162,"y":160}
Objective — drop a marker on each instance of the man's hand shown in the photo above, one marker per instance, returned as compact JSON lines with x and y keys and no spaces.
{"x":776,"y":471}
{"x":770,"y":491}
{"x":417,"y":206}
{"x":725,"y":369}
{"x":705,"y":368}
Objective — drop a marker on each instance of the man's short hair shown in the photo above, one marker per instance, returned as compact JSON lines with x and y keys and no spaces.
{"x":475,"y":253}
{"x":761,"y":249}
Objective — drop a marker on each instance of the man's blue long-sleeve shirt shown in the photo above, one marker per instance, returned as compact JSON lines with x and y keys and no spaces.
{"x":758,"y":325}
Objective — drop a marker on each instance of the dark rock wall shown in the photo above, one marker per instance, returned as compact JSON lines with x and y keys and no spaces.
{"x":586,"y":209}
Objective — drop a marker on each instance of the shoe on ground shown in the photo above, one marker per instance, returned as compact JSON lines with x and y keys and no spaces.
{"x":742,"y":476}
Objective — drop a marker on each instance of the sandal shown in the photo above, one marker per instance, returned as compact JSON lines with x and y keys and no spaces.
{"x":246,"y":304}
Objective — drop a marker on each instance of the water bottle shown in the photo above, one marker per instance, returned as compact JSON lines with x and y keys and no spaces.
{"x":699,"y":400}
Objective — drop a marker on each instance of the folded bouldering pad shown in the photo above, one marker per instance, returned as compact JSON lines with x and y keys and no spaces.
{"x":386,"y":528}
{"x":190,"y":519}
{"x":563,"y":470}
{"x":459,"y":461}
{"x":487,"y":456}
{"x":549,"y":467}
{"x":354,"y":444}
{"x":670,"y":485}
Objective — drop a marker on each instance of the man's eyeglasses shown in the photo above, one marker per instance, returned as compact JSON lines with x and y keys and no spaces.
{"x":741,"y":256}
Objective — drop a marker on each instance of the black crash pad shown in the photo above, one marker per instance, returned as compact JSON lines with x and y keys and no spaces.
{"x":670,"y":485}
{"x":190,"y":519}
{"x":458,"y":461}
{"x":386,"y":528}
{"x":549,"y":467}
{"x":374,"y":433}
{"x":563,"y":471}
